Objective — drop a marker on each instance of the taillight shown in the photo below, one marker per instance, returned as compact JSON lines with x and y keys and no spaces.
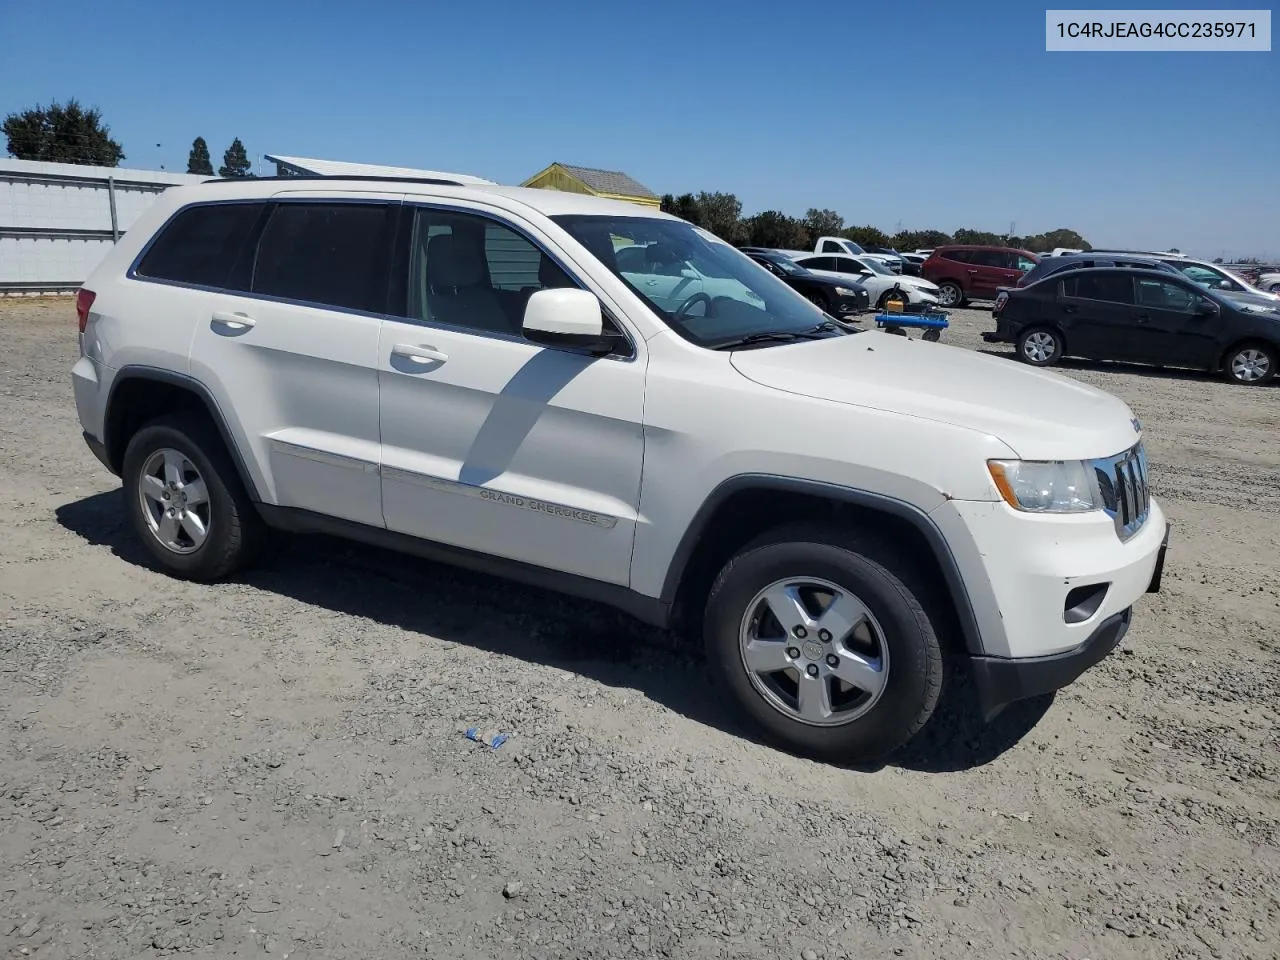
{"x":1001,"y":300}
{"x":84,"y":300}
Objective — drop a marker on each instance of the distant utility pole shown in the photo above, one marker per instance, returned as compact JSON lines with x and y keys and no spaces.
{"x":1013,"y":228}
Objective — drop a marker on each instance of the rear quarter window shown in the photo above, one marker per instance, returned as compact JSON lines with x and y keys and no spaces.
{"x":200,"y":245}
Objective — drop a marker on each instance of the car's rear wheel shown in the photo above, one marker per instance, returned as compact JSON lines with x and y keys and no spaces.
{"x":185,"y":499}
{"x":822,"y":644}
{"x":950,"y":293}
{"x":1251,"y":363}
{"x":1040,"y":346}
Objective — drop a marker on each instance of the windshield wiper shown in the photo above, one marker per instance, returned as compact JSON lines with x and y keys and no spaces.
{"x":779,"y":336}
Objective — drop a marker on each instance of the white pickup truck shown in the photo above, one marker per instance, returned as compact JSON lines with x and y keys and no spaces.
{"x":607,"y":401}
{"x":845,"y":245}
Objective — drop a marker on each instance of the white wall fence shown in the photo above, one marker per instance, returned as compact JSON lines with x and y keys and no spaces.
{"x":58,"y":220}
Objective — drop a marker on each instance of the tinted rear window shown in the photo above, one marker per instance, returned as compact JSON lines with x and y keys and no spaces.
{"x":326,"y":253}
{"x":1111,"y":287}
{"x":201,"y":244}
{"x":959,"y":256}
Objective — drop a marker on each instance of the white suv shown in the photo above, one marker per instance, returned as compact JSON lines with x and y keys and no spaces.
{"x":464,"y":371}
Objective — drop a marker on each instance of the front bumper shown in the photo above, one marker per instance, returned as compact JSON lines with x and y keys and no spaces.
{"x":1000,"y":681}
{"x":852,"y":306}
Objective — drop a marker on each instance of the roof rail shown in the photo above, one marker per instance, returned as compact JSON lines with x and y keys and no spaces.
{"x":345,"y":176}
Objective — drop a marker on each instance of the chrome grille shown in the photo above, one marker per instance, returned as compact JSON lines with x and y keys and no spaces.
{"x":1122,"y":481}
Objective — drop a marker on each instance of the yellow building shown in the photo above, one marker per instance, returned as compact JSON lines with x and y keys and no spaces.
{"x":609,"y":184}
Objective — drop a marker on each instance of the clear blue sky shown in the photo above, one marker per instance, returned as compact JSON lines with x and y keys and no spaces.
{"x":929,"y":115}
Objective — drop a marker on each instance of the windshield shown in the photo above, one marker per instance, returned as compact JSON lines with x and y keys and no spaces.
{"x":1209,"y":278}
{"x":876,"y":266}
{"x":704,"y":289}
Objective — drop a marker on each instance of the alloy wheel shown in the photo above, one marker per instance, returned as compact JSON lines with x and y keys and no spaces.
{"x":175,"y":501}
{"x":1040,"y":347}
{"x":814,"y":651}
{"x":1250,"y":365}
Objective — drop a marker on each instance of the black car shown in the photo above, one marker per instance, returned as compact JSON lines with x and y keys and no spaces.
{"x":840,"y":298}
{"x":1139,"y":316}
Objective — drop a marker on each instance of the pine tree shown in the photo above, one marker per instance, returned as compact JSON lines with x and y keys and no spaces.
{"x":235,"y":162}
{"x":198,"y":161}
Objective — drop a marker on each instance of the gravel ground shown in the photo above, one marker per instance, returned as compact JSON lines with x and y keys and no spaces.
{"x":279,"y":763}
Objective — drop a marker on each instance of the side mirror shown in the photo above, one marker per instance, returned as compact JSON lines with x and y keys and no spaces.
{"x":566,"y":317}
{"x":1204,"y":309}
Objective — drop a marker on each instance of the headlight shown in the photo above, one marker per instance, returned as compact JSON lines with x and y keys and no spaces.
{"x":1040,"y":486}
{"x":846,"y":292}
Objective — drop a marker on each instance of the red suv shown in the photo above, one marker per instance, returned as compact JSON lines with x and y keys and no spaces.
{"x":967,"y":272}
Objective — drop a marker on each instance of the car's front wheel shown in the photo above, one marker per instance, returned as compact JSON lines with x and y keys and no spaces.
{"x":897,"y":295}
{"x":819,"y":300}
{"x":186,"y":501}
{"x":1040,"y":346}
{"x":822,"y":644}
{"x":1251,"y":363}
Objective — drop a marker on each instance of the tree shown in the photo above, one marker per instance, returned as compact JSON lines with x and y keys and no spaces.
{"x":909,"y":240}
{"x":867,"y":236}
{"x":722,"y":215}
{"x":686,"y":208}
{"x":775,"y":229}
{"x":1062,"y":237}
{"x":62,"y":133}
{"x":198,"y":161}
{"x":667,"y":204}
{"x":235,"y":162}
{"x":985,"y":237}
{"x":823,"y":223}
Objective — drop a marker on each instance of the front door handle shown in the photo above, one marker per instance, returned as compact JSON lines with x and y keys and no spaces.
{"x":419,"y":354}
{"x":1143,"y":317}
{"x":233,"y":321}
{"x":973,"y":271}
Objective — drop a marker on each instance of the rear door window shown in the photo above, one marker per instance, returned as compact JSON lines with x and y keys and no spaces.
{"x":331,"y":254}
{"x":201,"y":244}
{"x":1107,"y":287}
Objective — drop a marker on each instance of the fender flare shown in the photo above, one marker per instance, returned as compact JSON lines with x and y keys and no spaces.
{"x":131,"y":372}
{"x":956,"y":590}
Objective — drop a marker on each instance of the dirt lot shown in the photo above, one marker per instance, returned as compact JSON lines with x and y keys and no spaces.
{"x":278,"y":764}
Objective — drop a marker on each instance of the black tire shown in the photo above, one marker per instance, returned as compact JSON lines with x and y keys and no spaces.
{"x":932,"y":335}
{"x":1032,"y":349}
{"x":864,"y":567}
{"x":888,"y":295}
{"x":236,"y":533}
{"x":951,"y":294}
{"x":819,"y":300}
{"x":1242,"y":362}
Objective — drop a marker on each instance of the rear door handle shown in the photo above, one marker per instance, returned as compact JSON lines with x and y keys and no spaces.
{"x":233,"y":321}
{"x":1144,"y":317}
{"x":973,"y":271}
{"x":419,"y":354}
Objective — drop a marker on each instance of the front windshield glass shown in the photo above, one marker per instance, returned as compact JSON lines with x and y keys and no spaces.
{"x":875,"y":266}
{"x":707,"y":291}
{"x":1208,"y":278}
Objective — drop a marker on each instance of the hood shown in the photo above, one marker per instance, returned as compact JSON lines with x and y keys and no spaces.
{"x":1039,"y":415}
{"x":916,"y":283}
{"x":1263,"y":303}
